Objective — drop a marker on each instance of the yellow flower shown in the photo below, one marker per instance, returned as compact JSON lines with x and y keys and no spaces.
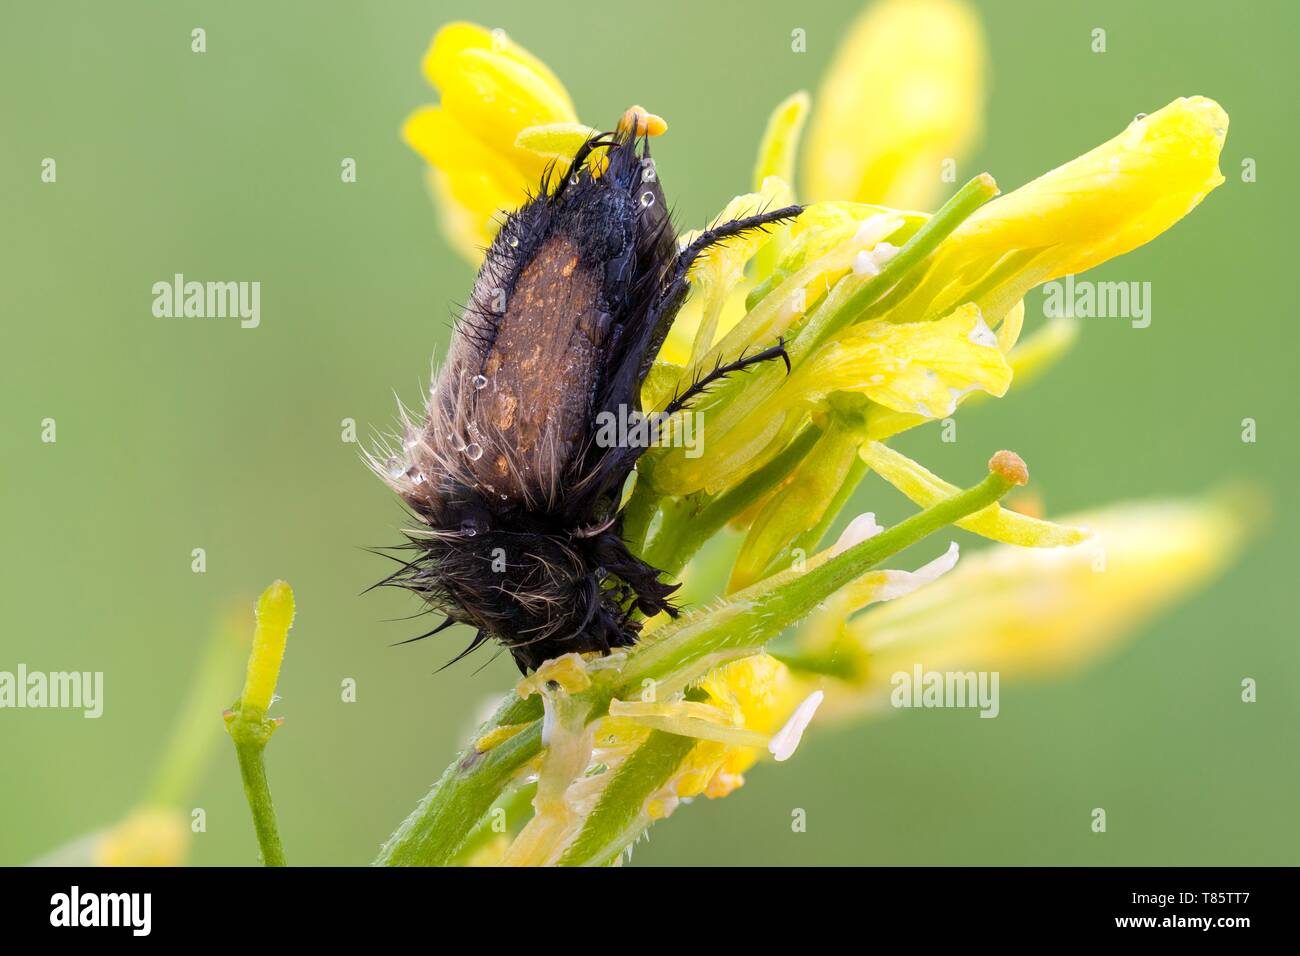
{"x":943,"y":333}
{"x":1105,"y":203}
{"x":492,"y":90}
{"x":1029,"y":613}
{"x":891,"y":319}
{"x":904,"y":94}
{"x":149,"y":837}
{"x":503,"y":118}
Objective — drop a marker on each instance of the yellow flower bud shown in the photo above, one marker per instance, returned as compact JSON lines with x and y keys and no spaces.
{"x":904,"y":94}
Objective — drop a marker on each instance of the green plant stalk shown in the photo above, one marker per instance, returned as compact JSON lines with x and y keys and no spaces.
{"x":622,"y":804}
{"x":683,"y":534}
{"x":936,"y":229}
{"x":517,"y":804}
{"x":435,"y":831}
{"x":442,"y":822}
{"x":687,"y":645}
{"x":250,"y":733}
{"x":612,"y":828}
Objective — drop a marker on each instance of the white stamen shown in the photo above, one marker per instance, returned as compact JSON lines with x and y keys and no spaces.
{"x":899,"y":583}
{"x":864,"y":264}
{"x":786,"y":740}
{"x":860,"y":529}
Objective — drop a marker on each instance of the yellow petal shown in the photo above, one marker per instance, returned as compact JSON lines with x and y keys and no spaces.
{"x":469,"y":232}
{"x":554,"y":140}
{"x":1028,"y":359}
{"x":922,"y":368}
{"x":496,"y":97}
{"x":492,"y":92}
{"x":1110,"y":200}
{"x":824,"y":242}
{"x":994,"y":522}
{"x":479,"y":178}
{"x":781,"y":139}
{"x":149,"y":837}
{"x":1033,"y":612}
{"x":811,"y":497}
{"x":719,"y":272}
{"x":442,"y":59}
{"x":904,"y":93}
{"x":1103,"y":204}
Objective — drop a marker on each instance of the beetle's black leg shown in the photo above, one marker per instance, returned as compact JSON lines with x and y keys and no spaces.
{"x":635,"y":355}
{"x":711,"y":237}
{"x":676,"y":285}
{"x":704,"y":382}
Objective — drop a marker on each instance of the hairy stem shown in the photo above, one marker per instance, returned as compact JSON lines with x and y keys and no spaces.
{"x":250,"y":743}
{"x":677,"y":654}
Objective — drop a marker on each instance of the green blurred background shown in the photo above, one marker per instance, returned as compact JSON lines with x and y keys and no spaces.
{"x":176,"y":434}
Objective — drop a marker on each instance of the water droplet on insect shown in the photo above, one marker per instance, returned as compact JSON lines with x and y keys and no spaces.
{"x":513,"y":242}
{"x":480,"y":381}
{"x":648,"y":174}
{"x":395,"y":467}
{"x":469,"y":527}
{"x":647,"y":199}
{"x":473,"y":451}
{"x":419,"y":478}
{"x":1140,"y":117}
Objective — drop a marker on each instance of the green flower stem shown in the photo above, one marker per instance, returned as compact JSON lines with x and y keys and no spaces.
{"x":517,"y":805}
{"x":247,"y":722}
{"x":764,"y":610}
{"x":685,"y":532}
{"x":250,"y":731}
{"x":808,"y":540}
{"x":434,"y":833}
{"x":620,"y":813}
{"x":937,"y":228}
{"x":750,"y":617}
{"x":438,"y":828}
{"x":640,"y":509}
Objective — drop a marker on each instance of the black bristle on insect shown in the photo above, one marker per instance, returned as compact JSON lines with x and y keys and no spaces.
{"x":519,"y":530}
